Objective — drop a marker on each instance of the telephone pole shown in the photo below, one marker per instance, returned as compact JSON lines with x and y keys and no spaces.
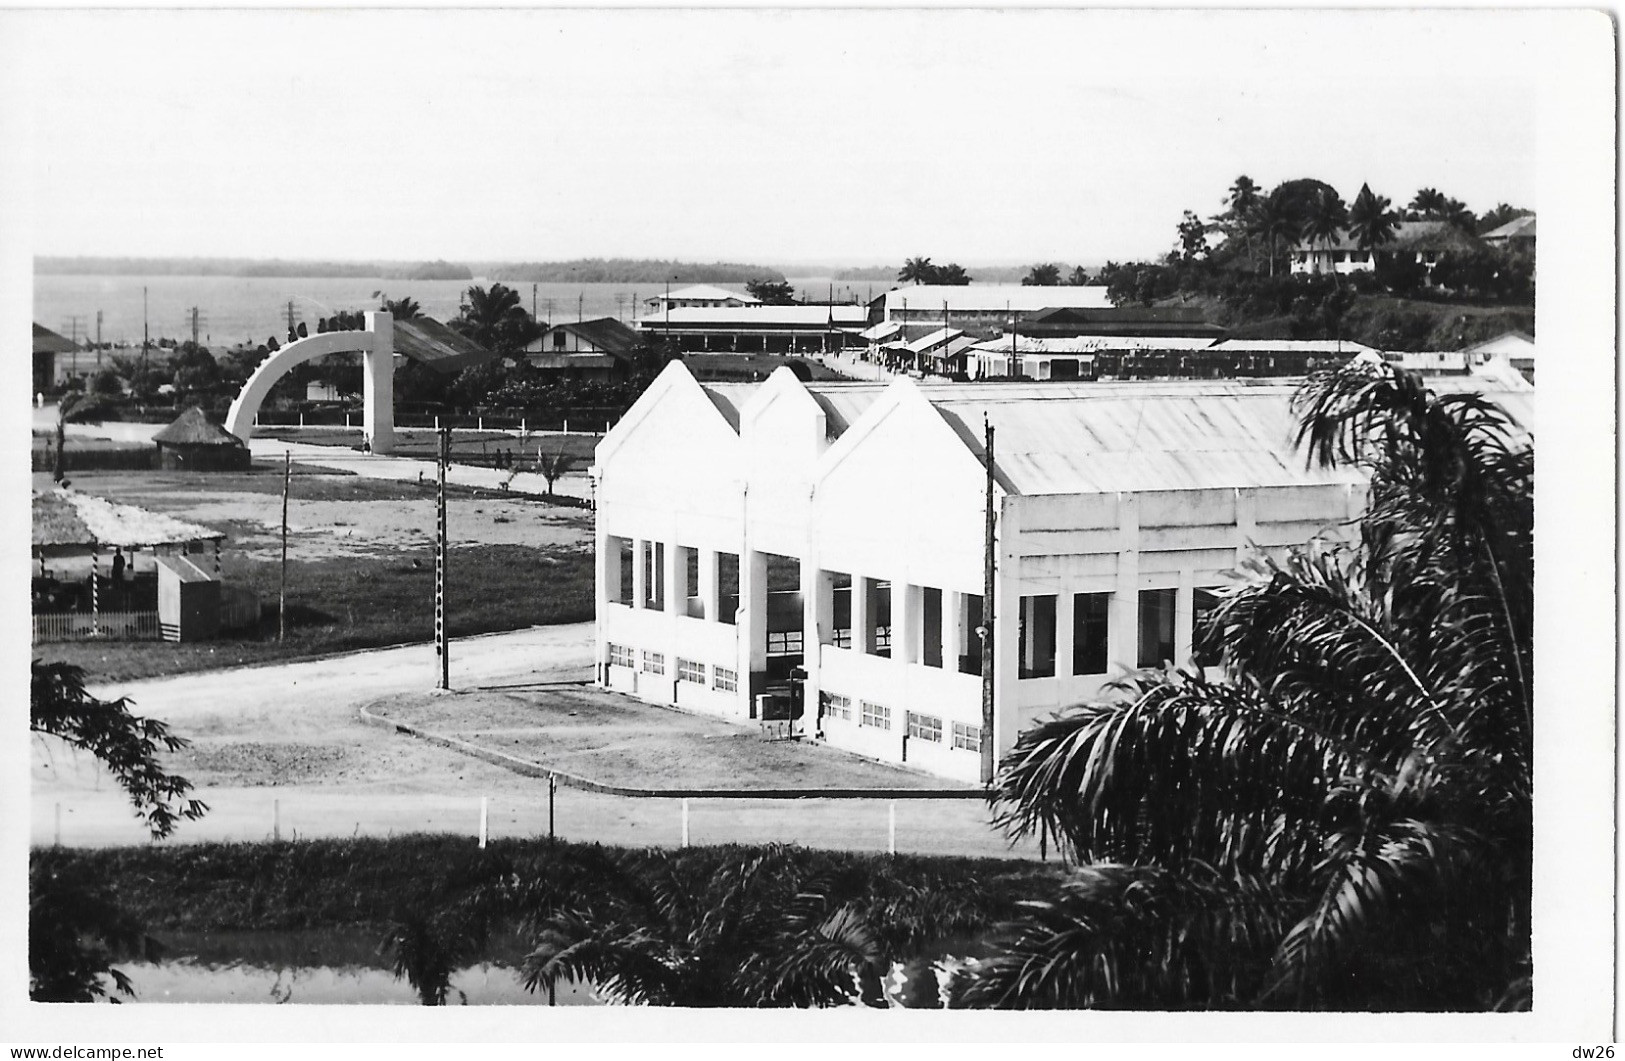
{"x":145,"y":337}
{"x":282,"y":586}
{"x":193,"y":316}
{"x":98,"y":340}
{"x":442,"y":643}
{"x":986,"y":631}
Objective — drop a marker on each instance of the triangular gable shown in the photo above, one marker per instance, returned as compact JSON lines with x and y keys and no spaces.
{"x":675,"y":377}
{"x":905,"y":391}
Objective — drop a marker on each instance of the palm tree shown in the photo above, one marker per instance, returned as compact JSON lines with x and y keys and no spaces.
{"x":1345,"y":820}
{"x":403,"y":309}
{"x":496,"y":319}
{"x":1326,"y":222}
{"x":1371,"y":223}
{"x":1274,"y":222}
{"x":917,"y":271}
{"x":953,"y":274}
{"x":1243,"y":200}
{"x":1429,"y":204}
{"x":755,"y":932}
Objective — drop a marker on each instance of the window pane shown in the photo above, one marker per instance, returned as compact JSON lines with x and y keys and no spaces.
{"x":1156,"y":626}
{"x":1038,"y":636}
{"x":1089,"y":624}
{"x":1204,"y":642}
{"x":931,"y":615}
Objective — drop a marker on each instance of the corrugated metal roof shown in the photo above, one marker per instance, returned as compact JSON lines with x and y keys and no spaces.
{"x":991,"y":298}
{"x":843,"y":403}
{"x":68,"y":518}
{"x":729,"y":398}
{"x":1092,"y":344}
{"x":1292,"y":346}
{"x":696,"y":292}
{"x":753,"y":316}
{"x":882,"y":331}
{"x":427,"y":340}
{"x":48,"y":342}
{"x":940,"y":337}
{"x":1407,"y":236}
{"x":1131,"y":440}
{"x":1517,"y":228}
{"x":1510,"y":344}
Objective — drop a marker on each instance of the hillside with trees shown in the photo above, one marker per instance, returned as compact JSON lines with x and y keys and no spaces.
{"x":254,"y":267}
{"x":1236,"y":267}
{"x":626,"y":271}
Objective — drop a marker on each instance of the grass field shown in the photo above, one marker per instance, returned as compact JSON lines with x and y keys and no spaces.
{"x":361,"y":565}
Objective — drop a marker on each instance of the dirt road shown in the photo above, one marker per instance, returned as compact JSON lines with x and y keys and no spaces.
{"x":280,"y":750}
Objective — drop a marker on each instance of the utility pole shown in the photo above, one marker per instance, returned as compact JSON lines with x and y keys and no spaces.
{"x":532,"y":301}
{"x":282,"y":588}
{"x":442,"y":643}
{"x":193,"y":316}
{"x":987,"y":615}
{"x":145,"y":337}
{"x":98,"y":340}
{"x":581,"y":298}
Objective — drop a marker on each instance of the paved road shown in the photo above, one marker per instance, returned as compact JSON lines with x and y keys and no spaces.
{"x":426,"y":788}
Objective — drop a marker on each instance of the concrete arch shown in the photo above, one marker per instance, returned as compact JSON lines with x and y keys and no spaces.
{"x":375,"y":343}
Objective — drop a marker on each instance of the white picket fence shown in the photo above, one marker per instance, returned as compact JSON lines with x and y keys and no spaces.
{"x":80,"y":626}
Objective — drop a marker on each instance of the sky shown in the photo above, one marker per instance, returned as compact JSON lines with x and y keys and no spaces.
{"x":790,"y":136}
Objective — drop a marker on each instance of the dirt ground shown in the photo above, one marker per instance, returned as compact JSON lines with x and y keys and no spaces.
{"x":337,"y":514}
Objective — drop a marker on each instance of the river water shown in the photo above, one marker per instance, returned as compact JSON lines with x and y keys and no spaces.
{"x":233,"y":309}
{"x":326,"y":967}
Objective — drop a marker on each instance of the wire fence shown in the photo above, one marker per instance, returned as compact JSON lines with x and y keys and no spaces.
{"x":928,"y":826}
{"x":83,"y":626}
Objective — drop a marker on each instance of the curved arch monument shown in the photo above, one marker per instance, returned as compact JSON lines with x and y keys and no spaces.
{"x":375,"y":343}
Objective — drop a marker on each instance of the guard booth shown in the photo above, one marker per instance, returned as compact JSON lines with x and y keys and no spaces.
{"x":188,"y":600}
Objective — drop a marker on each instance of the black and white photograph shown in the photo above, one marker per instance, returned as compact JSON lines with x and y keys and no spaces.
{"x":753,"y":524}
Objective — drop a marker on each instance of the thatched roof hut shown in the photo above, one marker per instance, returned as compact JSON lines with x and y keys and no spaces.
{"x":193,"y":443}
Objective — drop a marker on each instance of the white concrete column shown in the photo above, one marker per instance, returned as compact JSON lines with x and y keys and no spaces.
{"x":953,"y":628}
{"x":378,"y":383}
{"x":905,"y":621}
{"x":824,"y":591}
{"x":608,"y":576}
{"x":753,"y":593}
{"x":1006,"y":629}
{"x":676,"y":559}
{"x":1123,"y":620}
{"x":709,"y":588}
{"x":815,"y":610}
{"x":861,"y":639}
{"x":1065,"y":614}
{"x":1246,"y":521}
{"x":640,"y":573}
{"x":1184,"y":615}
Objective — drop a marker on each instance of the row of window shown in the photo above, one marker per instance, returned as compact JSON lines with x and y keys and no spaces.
{"x":688,"y":670}
{"x":919,"y":726}
{"x":1091,"y":626}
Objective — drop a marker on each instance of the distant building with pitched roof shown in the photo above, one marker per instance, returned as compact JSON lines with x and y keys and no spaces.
{"x":1517,"y":234}
{"x":601,"y":349}
{"x":1425,"y":240}
{"x":703,"y":296}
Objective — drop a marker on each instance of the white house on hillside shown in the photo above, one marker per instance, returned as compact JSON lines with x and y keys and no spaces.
{"x":745,"y":531}
{"x":1425,"y":240}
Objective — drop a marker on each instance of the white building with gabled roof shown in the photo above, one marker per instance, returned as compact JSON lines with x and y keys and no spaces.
{"x":749,"y":533}
{"x":704,"y":296}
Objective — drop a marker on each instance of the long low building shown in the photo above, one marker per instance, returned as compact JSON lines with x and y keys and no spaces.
{"x":758,"y":329}
{"x":748,"y":535}
{"x":1090,"y":357}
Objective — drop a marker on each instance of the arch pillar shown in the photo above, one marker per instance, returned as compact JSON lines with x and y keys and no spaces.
{"x":375,"y":343}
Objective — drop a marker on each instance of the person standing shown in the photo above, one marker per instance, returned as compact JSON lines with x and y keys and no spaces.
{"x":119,"y":566}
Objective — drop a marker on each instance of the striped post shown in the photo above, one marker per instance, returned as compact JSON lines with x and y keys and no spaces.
{"x":485,"y":817}
{"x":95,"y":593}
{"x":685,"y":822}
